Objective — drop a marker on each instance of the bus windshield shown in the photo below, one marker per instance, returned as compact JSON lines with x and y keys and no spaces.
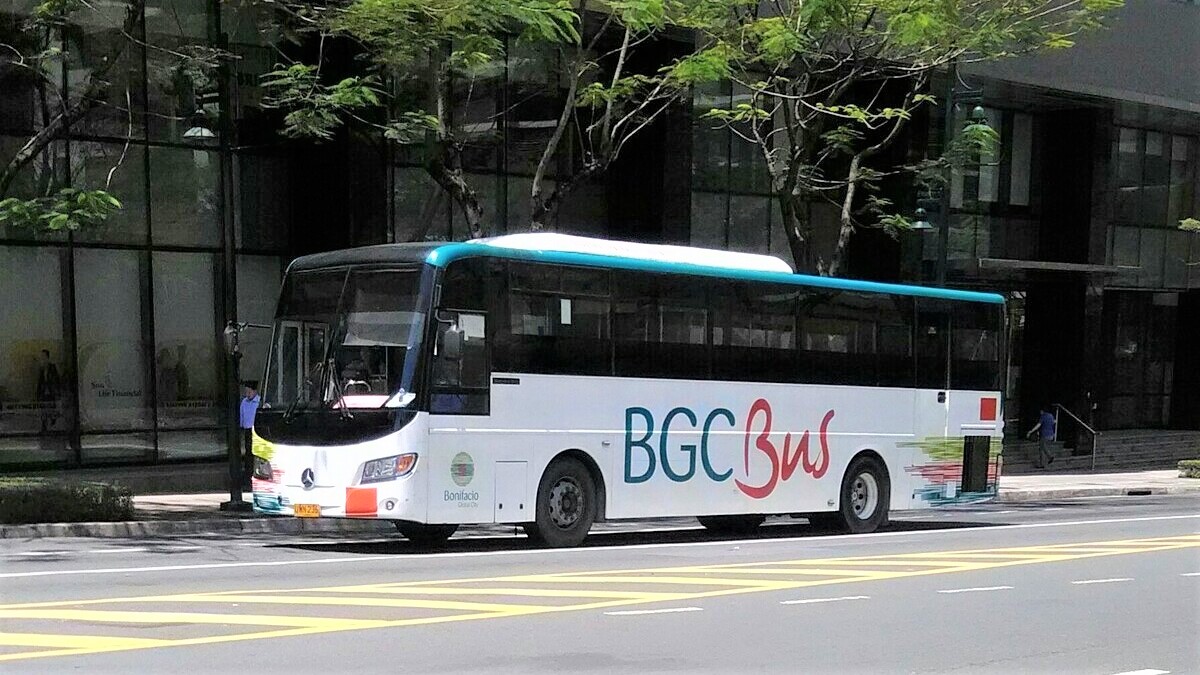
{"x":343,"y":339}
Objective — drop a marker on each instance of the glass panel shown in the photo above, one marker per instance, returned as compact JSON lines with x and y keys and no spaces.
{"x":1175,"y":266}
{"x":117,"y":448}
{"x":708,"y":219}
{"x":748,"y":223}
{"x":422,"y":208}
{"x":120,"y":170}
{"x":1125,"y":246}
{"x":102,"y":54}
{"x":989,"y":169}
{"x":185,"y":209}
{"x":1022,"y":160}
{"x":1153,"y":243}
{"x":266,"y":207}
{"x":710,"y":139}
{"x":191,"y":445}
{"x":185,"y":336}
{"x":35,"y":394}
{"x":1129,"y":175}
{"x":747,"y":168}
{"x":114,"y":377}
{"x":1180,"y":200}
{"x":257,"y":292}
{"x":535,"y":104}
{"x":182,"y":98}
{"x":21,"y":106}
{"x":41,"y":176}
{"x":24,"y":450}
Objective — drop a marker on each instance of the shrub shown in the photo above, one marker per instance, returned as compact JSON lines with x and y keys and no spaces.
{"x":1189,"y":468}
{"x":40,"y":500}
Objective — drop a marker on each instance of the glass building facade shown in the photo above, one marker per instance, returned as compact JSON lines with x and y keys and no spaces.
{"x":109,"y":336}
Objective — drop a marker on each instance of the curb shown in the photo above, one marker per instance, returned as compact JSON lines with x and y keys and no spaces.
{"x":166,"y":528}
{"x":1011,"y":496}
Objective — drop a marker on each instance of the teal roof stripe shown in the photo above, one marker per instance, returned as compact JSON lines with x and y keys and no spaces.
{"x":444,"y":255}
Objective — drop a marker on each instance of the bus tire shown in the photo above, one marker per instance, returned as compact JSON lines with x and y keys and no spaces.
{"x":732,"y":524}
{"x":426,"y":535}
{"x":866,"y":493}
{"x":566,"y":505}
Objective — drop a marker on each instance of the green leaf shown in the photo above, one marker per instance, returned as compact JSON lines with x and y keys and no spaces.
{"x":1189,"y":225}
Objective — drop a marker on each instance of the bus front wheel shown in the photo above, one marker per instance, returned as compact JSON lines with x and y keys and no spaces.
{"x":566,"y":505}
{"x":731,"y":524}
{"x":426,"y":535}
{"x":865,"y":495}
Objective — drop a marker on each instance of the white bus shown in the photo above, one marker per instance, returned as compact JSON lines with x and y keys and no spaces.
{"x":554,"y":381}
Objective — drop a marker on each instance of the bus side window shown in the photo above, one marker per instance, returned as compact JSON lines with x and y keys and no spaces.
{"x":460,"y":366}
{"x":932,"y":344}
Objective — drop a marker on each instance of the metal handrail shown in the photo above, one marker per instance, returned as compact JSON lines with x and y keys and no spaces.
{"x":1058,"y":407}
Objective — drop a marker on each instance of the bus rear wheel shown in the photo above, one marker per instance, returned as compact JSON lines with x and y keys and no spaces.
{"x":866,"y":493}
{"x":566,"y":505}
{"x":732,"y":524}
{"x":426,"y":535}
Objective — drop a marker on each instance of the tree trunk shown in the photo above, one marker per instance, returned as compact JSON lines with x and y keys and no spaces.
{"x":846,"y":222}
{"x":452,"y":181}
{"x":90,"y":98}
{"x":795,"y":226}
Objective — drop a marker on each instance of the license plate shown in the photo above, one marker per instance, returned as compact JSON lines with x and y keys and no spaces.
{"x":307,"y":510}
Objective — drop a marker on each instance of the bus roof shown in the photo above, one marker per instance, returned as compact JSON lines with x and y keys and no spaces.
{"x":562,"y":249}
{"x":590,"y":252}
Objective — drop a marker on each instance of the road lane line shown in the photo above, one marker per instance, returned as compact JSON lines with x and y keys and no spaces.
{"x":125,"y":616}
{"x":846,"y":538}
{"x":522,"y":592}
{"x":811,"y":601}
{"x":1102,"y":581}
{"x":1190,"y":574}
{"x":640,"y":612}
{"x":1145,"y":671}
{"x":348,"y":601}
{"x":977,"y":589}
{"x":54,"y":641}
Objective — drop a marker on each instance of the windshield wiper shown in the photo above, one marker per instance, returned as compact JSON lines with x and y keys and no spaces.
{"x":317,"y":372}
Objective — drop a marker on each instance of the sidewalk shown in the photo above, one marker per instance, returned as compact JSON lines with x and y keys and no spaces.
{"x":197,"y":514}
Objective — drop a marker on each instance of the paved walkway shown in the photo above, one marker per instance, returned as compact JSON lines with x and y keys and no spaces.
{"x":191,"y":514}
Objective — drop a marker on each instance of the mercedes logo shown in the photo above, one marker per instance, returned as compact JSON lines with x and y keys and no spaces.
{"x":308,"y":478}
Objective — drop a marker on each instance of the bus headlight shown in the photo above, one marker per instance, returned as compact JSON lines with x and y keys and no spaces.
{"x":262,"y":469}
{"x":387,"y":468}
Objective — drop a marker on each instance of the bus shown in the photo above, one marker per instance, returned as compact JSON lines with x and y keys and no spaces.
{"x":554,"y":381}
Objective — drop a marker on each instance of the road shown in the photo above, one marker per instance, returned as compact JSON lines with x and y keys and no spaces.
{"x":1079,"y":586}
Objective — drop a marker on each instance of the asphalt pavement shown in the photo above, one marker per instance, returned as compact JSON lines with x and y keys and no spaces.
{"x":1105,"y":585}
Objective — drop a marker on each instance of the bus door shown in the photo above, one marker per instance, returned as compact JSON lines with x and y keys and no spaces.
{"x":932,"y":348}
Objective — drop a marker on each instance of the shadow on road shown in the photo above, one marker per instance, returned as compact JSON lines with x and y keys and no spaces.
{"x":511,"y":539}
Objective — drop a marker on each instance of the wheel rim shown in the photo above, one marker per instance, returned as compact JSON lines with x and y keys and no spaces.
{"x":864,"y":495}
{"x":566,"y":503}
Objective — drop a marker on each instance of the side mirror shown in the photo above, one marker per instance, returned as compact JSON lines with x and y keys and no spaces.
{"x":452,"y":344}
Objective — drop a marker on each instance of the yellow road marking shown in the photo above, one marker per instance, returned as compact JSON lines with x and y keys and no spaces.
{"x":57,"y":641}
{"x":125,"y":616}
{"x":349,"y":602}
{"x":632,"y":579}
{"x":522,"y":592}
{"x":853,"y":569}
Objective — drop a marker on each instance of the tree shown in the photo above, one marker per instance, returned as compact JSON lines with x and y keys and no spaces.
{"x":418,"y":49}
{"x":833,"y":84}
{"x":33,"y":50}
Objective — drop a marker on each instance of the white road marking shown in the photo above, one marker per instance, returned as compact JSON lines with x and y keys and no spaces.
{"x":1144,"y":671}
{"x":1102,"y":581}
{"x":341,"y":560}
{"x":977,"y":589}
{"x":669,"y":610}
{"x":1190,"y":574}
{"x":809,"y":601}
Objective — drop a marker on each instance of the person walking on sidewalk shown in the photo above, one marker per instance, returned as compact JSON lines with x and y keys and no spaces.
{"x":246,"y":412}
{"x":1047,"y":426}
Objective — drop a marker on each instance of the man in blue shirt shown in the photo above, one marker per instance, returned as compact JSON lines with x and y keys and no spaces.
{"x":246,"y":412}
{"x":1047,"y":426}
